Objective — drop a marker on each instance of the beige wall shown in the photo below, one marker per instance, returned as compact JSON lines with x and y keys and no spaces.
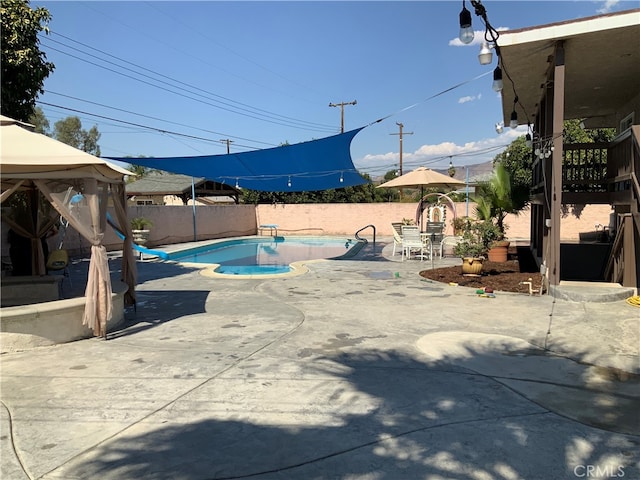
{"x":174,"y":224}
{"x":346,"y":219}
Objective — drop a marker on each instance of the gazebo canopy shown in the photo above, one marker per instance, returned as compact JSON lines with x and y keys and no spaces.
{"x":30,"y":161}
{"x":29,"y":155}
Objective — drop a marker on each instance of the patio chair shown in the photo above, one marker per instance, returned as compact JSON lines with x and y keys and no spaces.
{"x":412,"y":242}
{"x":397,"y":236}
{"x":434,"y":232}
{"x":448,"y":244}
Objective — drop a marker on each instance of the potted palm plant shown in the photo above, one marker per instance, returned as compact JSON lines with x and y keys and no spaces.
{"x":494,"y":202}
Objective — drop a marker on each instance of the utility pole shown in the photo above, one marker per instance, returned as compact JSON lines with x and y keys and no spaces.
{"x":228,"y":142}
{"x":341,"y":105}
{"x":400,"y":135}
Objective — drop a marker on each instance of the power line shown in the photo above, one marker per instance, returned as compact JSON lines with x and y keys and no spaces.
{"x":172,"y":45}
{"x":156,"y":118}
{"x":161,"y":130}
{"x":416,"y":163}
{"x":232,"y":106}
{"x":209,"y":39}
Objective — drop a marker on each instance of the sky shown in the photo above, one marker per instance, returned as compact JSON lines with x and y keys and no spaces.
{"x":162,"y":78}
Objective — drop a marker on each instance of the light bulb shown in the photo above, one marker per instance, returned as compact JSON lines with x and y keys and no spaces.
{"x":527,"y":140}
{"x":499,"y":128}
{"x":237,"y":186}
{"x":497,"y":80}
{"x":341,"y":178}
{"x":466,"y":34}
{"x":289,"y":182}
{"x":485,"y":56}
{"x":514,"y":120}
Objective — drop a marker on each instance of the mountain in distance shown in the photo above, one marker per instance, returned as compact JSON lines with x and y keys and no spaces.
{"x":477,"y":171}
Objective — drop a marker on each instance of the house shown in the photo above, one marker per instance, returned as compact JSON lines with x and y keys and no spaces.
{"x":585,"y":69}
{"x":164,"y":188}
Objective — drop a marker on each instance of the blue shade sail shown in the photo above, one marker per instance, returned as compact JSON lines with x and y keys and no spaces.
{"x":314,"y":165}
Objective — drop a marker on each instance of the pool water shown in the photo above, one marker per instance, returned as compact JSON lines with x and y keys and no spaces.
{"x":265,"y":255}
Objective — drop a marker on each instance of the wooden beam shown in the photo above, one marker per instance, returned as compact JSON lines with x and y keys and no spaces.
{"x":556,"y":162}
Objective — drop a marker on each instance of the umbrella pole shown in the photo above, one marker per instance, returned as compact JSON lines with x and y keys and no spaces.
{"x":421,"y":208}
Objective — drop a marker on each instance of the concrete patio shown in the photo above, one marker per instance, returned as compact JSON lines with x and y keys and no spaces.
{"x":358,"y":369}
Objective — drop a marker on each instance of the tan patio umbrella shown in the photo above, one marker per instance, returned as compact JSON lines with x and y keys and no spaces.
{"x":423,"y":177}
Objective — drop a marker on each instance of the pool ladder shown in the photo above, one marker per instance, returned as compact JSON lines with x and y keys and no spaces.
{"x":364,"y":239}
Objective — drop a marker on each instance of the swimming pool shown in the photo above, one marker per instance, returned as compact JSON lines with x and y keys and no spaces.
{"x":266,"y":255}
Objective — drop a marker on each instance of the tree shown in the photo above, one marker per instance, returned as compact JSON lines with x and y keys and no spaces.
{"x":24,"y":65}
{"x":366,"y":193}
{"x":41,"y":123}
{"x":70,"y":131}
{"x":390,"y":175}
{"x":138,"y":171}
{"x":574,"y":132}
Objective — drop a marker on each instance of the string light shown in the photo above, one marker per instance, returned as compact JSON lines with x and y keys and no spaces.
{"x":237,"y":186}
{"x":544,"y":149}
{"x":514,"y":115}
{"x":466,"y":30}
{"x":485,"y":57}
{"x":497,"y":80}
{"x":341,"y":178}
{"x":289,"y":182}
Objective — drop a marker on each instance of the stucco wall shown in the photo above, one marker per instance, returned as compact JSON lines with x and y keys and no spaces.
{"x":174,"y":224}
{"x":346,"y":219}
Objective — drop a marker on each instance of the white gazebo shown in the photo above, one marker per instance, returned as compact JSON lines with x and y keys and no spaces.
{"x":31,"y":162}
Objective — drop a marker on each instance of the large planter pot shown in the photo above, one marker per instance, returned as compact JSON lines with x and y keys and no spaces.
{"x":140,"y":236}
{"x":499,"y":251}
{"x":471,"y":266}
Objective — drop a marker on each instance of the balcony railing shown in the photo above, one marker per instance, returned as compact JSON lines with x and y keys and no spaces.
{"x":584,"y":167}
{"x":594,"y":167}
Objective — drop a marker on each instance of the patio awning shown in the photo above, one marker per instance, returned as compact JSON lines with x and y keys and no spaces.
{"x":315,"y":165}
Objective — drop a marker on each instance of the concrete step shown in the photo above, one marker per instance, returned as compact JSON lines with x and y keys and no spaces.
{"x":598,"y":292}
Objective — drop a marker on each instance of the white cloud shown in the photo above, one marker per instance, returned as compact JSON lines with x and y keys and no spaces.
{"x":469,"y":98}
{"x":608,"y":6}
{"x":437,"y":155}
